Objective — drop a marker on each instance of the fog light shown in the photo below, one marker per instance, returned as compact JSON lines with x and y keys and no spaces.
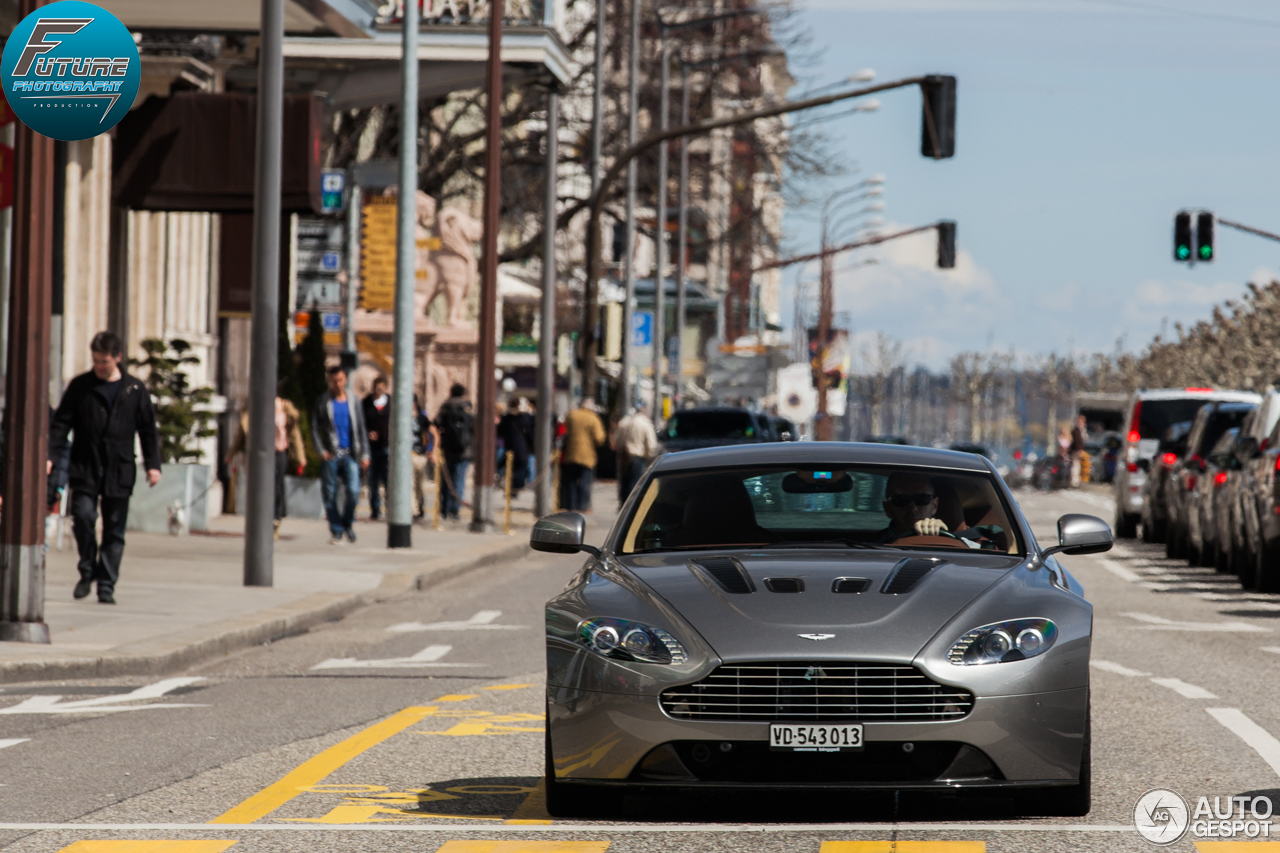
{"x":726,"y":747}
{"x":701,"y":752}
{"x":908,"y":747}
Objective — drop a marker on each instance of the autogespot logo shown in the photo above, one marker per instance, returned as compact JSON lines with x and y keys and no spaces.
{"x":1162,"y":817}
{"x":70,"y":70}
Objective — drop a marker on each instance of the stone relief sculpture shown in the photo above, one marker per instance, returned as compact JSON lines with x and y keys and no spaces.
{"x":446,"y":259}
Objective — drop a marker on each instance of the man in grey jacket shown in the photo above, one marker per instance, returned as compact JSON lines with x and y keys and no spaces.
{"x":337,"y":427}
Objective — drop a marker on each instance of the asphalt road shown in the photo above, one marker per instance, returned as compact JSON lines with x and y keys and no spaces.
{"x":417,"y":725}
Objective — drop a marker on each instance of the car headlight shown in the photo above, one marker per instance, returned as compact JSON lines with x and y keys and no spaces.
{"x":625,"y":640}
{"x":1003,"y":642}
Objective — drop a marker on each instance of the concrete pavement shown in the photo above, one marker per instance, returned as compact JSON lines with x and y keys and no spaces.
{"x":181,"y":600}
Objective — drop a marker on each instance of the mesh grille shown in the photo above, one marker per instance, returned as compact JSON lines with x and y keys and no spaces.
{"x":805,"y":692}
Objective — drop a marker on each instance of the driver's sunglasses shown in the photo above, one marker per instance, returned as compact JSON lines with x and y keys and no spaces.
{"x":921,"y":499}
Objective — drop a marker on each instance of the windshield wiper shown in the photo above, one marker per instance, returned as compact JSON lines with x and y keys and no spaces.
{"x":820,"y":543}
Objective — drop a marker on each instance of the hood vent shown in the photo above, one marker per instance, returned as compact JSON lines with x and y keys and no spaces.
{"x":907,"y":574}
{"x":784,"y":584}
{"x":850,"y":585}
{"x":727,"y":573}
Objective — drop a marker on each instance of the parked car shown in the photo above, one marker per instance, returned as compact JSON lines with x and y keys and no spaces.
{"x":1173,"y":444}
{"x":886,"y":439}
{"x":784,"y":429}
{"x":1151,"y":412}
{"x":1251,"y":479}
{"x":1182,"y":500}
{"x":715,"y":426}
{"x":1209,"y":530}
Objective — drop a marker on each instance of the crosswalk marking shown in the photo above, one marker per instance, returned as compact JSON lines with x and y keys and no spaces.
{"x":159,"y":846}
{"x":895,"y":846}
{"x":12,"y":741}
{"x":430,"y":656}
{"x":1159,"y":623}
{"x":484,"y":846}
{"x":482,"y":621}
{"x":104,"y":704}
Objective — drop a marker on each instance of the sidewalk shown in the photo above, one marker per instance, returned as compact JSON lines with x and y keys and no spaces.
{"x":182,"y":599}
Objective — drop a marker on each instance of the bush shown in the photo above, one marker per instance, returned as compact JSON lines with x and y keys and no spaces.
{"x":182,"y":416}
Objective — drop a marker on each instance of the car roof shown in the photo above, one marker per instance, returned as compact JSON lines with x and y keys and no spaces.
{"x":821,"y":453}
{"x":1208,"y":395}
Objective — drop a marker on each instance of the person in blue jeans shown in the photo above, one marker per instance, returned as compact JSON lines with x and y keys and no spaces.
{"x":456,"y":424}
{"x":337,"y":427}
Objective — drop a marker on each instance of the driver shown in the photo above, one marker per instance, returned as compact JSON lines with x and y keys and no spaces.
{"x":910,"y":502}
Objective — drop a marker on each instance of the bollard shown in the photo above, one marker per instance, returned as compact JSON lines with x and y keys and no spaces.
{"x":435,"y":507}
{"x":506,"y":518}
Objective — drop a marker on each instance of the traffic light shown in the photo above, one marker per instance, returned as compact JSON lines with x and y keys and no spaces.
{"x":1204,"y":237}
{"x":1182,"y":236}
{"x":938,"y":130}
{"x":946,"y":245}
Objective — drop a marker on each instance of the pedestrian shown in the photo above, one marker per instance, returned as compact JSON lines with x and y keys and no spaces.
{"x":636,"y":443}
{"x":291,"y":451}
{"x":424,"y":448}
{"x":583,"y":433}
{"x":377,"y":420}
{"x":515,"y":443}
{"x":1077,"y":450}
{"x":337,"y":428}
{"x":457,"y":427}
{"x":104,"y":409}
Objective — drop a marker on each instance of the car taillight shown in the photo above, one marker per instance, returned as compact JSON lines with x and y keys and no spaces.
{"x":1170,"y":458}
{"x":1278,"y":463}
{"x":1191,"y":482}
{"x":1219,"y":478}
{"x":1133,"y":466}
{"x":1134,"y":421}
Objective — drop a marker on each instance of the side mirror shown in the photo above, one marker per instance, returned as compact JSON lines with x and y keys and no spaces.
{"x":561,"y":533}
{"x":1080,"y":534}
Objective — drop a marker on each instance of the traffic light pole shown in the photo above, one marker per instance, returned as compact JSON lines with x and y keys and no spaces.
{"x":595,"y":247}
{"x":1248,"y":229}
{"x":844,"y":247}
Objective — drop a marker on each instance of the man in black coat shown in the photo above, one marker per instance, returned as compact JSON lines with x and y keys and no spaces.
{"x":105,"y":408}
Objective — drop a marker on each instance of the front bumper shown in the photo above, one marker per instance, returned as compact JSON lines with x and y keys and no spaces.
{"x":1029,"y":739}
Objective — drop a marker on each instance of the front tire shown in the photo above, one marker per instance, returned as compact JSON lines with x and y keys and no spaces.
{"x":1126,"y":524}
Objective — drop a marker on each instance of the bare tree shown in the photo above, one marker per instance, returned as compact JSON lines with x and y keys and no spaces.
{"x":881,"y":360}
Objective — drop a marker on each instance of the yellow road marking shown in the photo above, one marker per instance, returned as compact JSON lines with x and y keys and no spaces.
{"x":534,"y":807}
{"x":478,"y":846}
{"x":1238,"y":846}
{"x":345,"y":814}
{"x":481,"y":727}
{"x":148,"y":847}
{"x":903,"y":847}
{"x":507,"y":687}
{"x":457,"y":697}
{"x":314,"y":770}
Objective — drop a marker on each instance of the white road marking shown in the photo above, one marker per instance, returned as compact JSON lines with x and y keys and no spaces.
{"x":103,"y":704}
{"x":430,"y":656}
{"x":1275,"y":650}
{"x":12,"y":741}
{"x":757,"y":828}
{"x":1119,"y":570}
{"x":1100,"y":502}
{"x":1159,"y":623}
{"x":1108,"y":666}
{"x":482,"y":621}
{"x":1251,"y":733}
{"x":1183,"y":688}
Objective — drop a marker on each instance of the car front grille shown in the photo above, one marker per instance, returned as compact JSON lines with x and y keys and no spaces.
{"x":819,"y":691}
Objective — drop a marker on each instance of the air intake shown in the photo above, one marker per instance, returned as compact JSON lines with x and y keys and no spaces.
{"x":907,"y":574}
{"x":850,"y":585}
{"x":784,"y":584}
{"x":728,"y":574}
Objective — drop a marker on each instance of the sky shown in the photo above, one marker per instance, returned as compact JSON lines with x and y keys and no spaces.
{"x":1083,"y":125}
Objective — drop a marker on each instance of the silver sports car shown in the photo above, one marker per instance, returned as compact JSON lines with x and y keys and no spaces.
{"x":819,"y":615}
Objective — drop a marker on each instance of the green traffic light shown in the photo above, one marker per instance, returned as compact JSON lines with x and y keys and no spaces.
{"x":1184,"y":252}
{"x":1206,"y":252}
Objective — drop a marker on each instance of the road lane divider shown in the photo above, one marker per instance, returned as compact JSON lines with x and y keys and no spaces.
{"x":1159,"y":623}
{"x":1182,"y":688}
{"x":156,"y":846}
{"x":105,"y":704}
{"x":314,"y":770}
{"x":1262,"y":741}
{"x":12,"y":741}
{"x":1120,"y":571}
{"x":482,"y":621}
{"x":428,"y":657}
{"x":1118,"y":669}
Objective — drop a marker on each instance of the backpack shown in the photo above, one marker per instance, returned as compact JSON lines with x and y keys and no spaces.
{"x":455,"y":429}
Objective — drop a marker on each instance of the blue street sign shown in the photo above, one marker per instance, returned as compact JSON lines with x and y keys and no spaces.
{"x":642,"y":329}
{"x":331,"y":261}
{"x":332,"y":321}
{"x":333,"y":185}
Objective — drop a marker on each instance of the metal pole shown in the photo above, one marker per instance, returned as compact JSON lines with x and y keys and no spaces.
{"x":822,"y":422}
{"x":400,"y":463}
{"x":545,"y":424}
{"x":660,"y":267}
{"x":355,"y":206}
{"x":261,"y":455}
{"x":597,"y":153}
{"x":682,"y":236}
{"x":486,"y":390}
{"x":628,"y":250}
{"x":26,"y":414}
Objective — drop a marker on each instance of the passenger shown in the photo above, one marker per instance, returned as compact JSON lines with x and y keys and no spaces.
{"x":911,"y":502}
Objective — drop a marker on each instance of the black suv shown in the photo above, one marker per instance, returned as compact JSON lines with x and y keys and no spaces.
{"x":1182,"y":497}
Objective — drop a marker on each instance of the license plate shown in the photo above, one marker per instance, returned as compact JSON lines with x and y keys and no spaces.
{"x":822,"y":738}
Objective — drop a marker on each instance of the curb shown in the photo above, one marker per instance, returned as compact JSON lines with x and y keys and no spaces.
{"x":187,"y":648}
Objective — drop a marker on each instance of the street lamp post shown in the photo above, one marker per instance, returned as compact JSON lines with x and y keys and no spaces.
{"x":628,"y":249}
{"x":682,"y":232}
{"x":544,"y":425}
{"x":660,"y":266}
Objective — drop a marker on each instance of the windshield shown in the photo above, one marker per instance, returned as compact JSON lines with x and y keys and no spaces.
{"x":1159,"y":415}
{"x":711,"y":425}
{"x":838,"y":506}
